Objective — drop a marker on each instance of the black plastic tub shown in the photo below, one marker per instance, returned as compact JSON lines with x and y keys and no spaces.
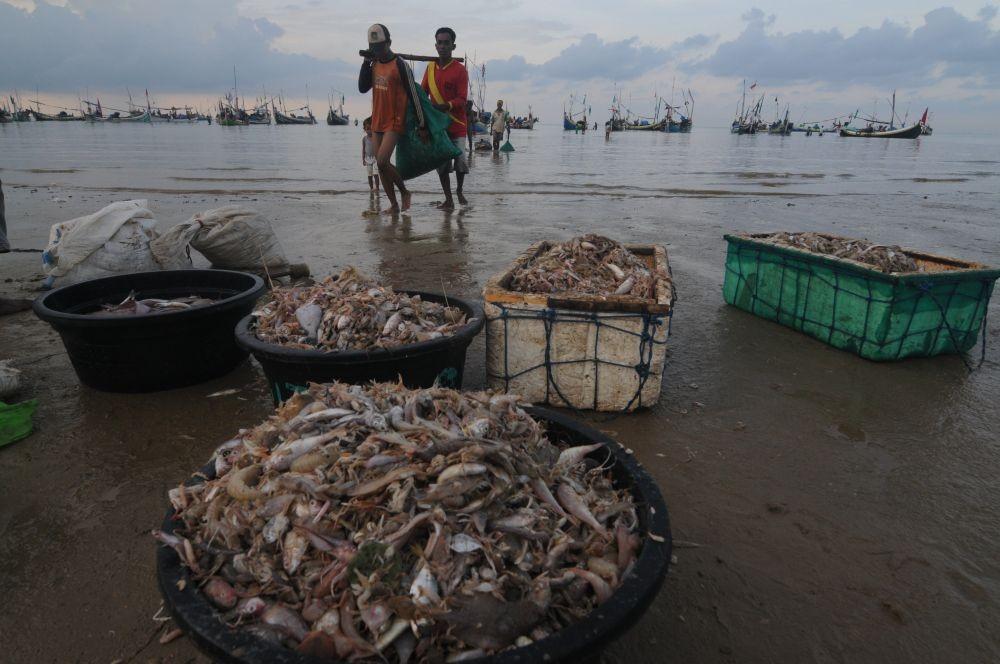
{"x":580,"y":642}
{"x":290,"y":370}
{"x":156,"y":351}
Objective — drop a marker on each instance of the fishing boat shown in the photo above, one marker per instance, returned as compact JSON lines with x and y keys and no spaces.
{"x":780,"y":127}
{"x":645,"y":125}
{"x":5,"y":115}
{"x":748,"y":119}
{"x":61,"y":116}
{"x":654,"y":123}
{"x":871,"y":131}
{"x":337,"y":117}
{"x":260,"y":115}
{"x":524,"y":123}
{"x":17,"y":112}
{"x":284,"y":117}
{"x":679,"y":120}
{"x":876,"y":128}
{"x":575,"y":121}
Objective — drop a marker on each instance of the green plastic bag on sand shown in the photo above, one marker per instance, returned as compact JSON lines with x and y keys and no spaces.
{"x":507,"y":147}
{"x":413,"y":156}
{"x":15,"y":421}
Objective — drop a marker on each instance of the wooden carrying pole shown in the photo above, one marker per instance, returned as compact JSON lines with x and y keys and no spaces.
{"x":405,"y":56}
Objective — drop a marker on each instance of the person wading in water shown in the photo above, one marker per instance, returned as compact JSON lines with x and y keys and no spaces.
{"x":392,"y":86}
{"x":446,"y":82}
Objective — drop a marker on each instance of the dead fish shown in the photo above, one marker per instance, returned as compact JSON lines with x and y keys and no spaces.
{"x":379,"y":482}
{"x":600,"y":586}
{"x":574,"y":455}
{"x":625,"y":286}
{"x":487,"y":622}
{"x":239,"y":483}
{"x":573,"y":504}
{"x":309,"y":317}
{"x":461,"y":470}
{"x":294,"y":549}
{"x":220,"y":593}
{"x":615,"y":270}
{"x":287,"y":621}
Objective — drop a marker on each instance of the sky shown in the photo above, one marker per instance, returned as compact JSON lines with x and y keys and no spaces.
{"x":821,"y":63}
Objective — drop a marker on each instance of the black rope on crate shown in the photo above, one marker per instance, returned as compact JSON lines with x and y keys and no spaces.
{"x":760,"y":305}
{"x":651,"y":324}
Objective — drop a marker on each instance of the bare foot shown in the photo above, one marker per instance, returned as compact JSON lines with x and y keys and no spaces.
{"x":462,"y":199}
{"x":394,"y":210}
{"x":406,"y":196}
{"x":448,"y":204}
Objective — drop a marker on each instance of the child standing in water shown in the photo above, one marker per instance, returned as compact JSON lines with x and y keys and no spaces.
{"x":368,"y":156}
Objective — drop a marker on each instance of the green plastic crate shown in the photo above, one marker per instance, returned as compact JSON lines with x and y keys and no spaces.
{"x":857,"y":308}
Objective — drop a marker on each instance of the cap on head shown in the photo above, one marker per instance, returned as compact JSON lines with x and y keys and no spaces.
{"x":499,"y":102}
{"x":378,"y":34}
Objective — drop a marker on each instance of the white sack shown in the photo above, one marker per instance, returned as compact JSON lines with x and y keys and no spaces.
{"x":237,"y":238}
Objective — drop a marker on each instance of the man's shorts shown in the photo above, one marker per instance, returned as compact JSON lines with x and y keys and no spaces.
{"x":370,"y":166}
{"x":459,"y":164}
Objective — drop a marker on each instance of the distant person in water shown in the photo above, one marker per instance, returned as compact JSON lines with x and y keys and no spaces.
{"x":498,"y":124}
{"x":368,"y":156}
{"x":470,"y":115}
{"x":392,"y":86}
{"x":446,"y":82}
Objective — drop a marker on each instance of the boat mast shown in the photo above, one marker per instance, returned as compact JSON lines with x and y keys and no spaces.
{"x":892,"y":115}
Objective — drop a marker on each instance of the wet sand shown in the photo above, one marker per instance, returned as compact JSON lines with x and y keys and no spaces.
{"x":824,"y":508}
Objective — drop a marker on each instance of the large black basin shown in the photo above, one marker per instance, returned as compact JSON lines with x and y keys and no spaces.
{"x":580,"y":642}
{"x":419,"y":365}
{"x":156,"y":351}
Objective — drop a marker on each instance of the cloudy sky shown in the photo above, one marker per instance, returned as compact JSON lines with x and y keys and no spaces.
{"x":824,"y":61}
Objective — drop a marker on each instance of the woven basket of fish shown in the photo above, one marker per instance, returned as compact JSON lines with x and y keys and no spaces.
{"x":881,"y":302}
{"x":582,"y":323}
{"x":350,"y":327}
{"x":384,"y":524}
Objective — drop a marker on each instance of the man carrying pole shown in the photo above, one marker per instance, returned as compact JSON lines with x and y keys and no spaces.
{"x":446,"y":82}
{"x":392,"y":86}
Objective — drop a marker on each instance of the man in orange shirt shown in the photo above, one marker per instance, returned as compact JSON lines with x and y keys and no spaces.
{"x":446,"y":82}
{"x":392,"y":86}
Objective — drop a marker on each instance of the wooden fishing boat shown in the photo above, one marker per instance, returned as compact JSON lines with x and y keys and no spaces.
{"x":912,"y":131}
{"x":881,"y":129}
{"x":117,"y":117}
{"x":570,"y":120}
{"x":5,"y":116}
{"x":292,"y":119}
{"x":62,"y":116}
{"x":337,"y":117}
{"x":659,"y":125}
{"x":259,"y":116}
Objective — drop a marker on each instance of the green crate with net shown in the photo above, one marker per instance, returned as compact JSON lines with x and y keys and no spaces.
{"x":937,"y":307}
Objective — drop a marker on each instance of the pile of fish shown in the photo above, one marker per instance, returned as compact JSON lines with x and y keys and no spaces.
{"x":589,"y":264}
{"x":131,"y":306}
{"x":399,"y":525}
{"x":350,"y":311}
{"x":886,"y":258}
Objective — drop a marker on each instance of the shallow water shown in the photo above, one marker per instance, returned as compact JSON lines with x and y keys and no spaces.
{"x":828,"y":508}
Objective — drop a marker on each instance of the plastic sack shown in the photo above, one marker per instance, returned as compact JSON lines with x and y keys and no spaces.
{"x":413,"y":156}
{"x":237,"y":238}
{"x":172,"y":250}
{"x":114,"y":240}
{"x":15,"y":421}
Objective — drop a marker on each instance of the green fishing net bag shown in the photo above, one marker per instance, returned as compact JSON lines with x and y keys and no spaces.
{"x":413,"y":156}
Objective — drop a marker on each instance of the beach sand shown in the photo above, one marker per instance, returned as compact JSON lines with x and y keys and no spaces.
{"x":824,"y":508}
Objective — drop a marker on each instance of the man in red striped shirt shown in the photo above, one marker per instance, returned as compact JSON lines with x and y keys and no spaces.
{"x":446,"y":82}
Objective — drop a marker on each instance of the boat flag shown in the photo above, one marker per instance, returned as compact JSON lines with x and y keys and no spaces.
{"x":754,"y":85}
{"x":923,"y":119}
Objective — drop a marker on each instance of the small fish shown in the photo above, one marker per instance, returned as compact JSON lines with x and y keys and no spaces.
{"x":625,"y":286}
{"x":571,"y":500}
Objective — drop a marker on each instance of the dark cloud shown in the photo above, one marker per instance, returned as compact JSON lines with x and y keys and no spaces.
{"x":181,"y":45}
{"x":594,"y":58}
{"x":948,"y":44}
